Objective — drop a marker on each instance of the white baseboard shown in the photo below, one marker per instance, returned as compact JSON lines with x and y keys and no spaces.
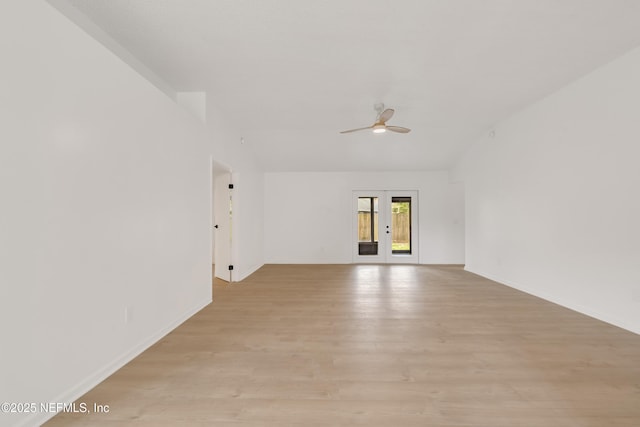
{"x":103,"y":373}
{"x":247,"y":272}
{"x":588,"y":311}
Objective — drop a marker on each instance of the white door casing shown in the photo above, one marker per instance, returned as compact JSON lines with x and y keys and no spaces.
{"x":222,"y":225}
{"x":381,"y":250}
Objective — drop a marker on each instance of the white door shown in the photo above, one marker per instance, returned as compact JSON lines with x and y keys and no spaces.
{"x":385,"y":227}
{"x":222,"y":224}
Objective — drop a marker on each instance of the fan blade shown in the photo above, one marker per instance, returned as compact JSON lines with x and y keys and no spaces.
{"x":355,"y":130}
{"x":398,"y":129}
{"x":386,"y":115}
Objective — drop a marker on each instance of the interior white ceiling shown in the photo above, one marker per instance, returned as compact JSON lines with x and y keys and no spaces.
{"x":288,"y":75}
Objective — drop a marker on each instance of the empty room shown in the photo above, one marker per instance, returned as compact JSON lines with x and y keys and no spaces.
{"x":329,"y":213}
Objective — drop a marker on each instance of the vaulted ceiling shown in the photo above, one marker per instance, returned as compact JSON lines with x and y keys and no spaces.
{"x":288,"y":75}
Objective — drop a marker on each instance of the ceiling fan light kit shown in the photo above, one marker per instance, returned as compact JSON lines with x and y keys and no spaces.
{"x":380,"y":126}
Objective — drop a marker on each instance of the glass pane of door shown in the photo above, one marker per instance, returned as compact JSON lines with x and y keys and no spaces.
{"x":367,"y":225}
{"x":401,"y":225}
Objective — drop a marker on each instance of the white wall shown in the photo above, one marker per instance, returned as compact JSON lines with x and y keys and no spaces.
{"x":195,"y":103}
{"x":105,"y":206}
{"x":308,"y":216}
{"x":226,"y":145}
{"x":248,"y":223}
{"x":553,"y":200}
{"x":248,"y":194}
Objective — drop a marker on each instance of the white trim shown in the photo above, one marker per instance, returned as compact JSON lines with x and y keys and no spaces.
{"x":612,"y":320}
{"x":110,"y":368}
{"x":246,"y":272}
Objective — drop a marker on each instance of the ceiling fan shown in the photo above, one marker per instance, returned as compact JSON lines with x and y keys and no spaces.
{"x":380,"y":125}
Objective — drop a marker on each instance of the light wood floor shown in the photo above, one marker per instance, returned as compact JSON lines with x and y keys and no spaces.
{"x":345,"y":345}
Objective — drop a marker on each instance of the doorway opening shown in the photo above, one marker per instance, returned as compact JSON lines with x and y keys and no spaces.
{"x":221,"y":221}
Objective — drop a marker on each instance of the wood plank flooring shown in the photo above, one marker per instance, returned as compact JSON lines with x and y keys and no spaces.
{"x":370,"y":345}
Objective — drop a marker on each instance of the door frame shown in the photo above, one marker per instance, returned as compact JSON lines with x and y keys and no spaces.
{"x":222,"y":244}
{"x":385,"y":254}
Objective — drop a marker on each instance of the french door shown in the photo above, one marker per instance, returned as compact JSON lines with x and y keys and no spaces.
{"x":385,"y":227}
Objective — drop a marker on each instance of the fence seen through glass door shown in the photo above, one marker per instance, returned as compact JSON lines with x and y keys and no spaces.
{"x":401,"y":225}
{"x":368,"y":225}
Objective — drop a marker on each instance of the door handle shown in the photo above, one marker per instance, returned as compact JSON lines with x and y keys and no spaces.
{"x":215,"y":226}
